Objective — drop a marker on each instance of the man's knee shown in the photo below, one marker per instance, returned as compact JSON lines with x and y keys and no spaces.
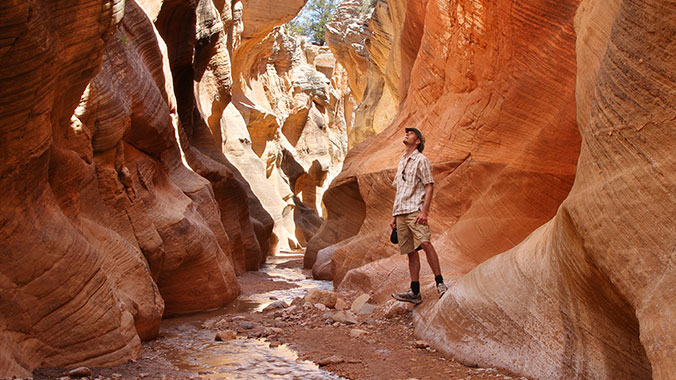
{"x":426,"y":245}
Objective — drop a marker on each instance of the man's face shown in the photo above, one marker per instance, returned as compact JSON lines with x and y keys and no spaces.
{"x":411,"y":138}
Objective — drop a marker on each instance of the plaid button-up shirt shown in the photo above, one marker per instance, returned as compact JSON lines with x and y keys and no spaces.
{"x":413,"y":173}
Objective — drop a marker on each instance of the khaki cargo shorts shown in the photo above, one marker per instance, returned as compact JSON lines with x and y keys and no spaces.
{"x":411,"y":234}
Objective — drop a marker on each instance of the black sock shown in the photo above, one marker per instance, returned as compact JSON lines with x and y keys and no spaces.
{"x":439,"y":279}
{"x":415,"y":287}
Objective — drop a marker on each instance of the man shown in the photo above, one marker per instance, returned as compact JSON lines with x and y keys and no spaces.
{"x":415,"y":187}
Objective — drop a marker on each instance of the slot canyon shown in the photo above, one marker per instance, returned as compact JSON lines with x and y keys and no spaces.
{"x":179,"y":169}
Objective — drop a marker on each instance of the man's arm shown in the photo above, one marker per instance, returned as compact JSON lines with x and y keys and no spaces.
{"x":422,"y":217}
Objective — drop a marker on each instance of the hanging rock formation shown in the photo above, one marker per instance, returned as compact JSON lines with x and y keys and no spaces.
{"x":118,"y":204}
{"x":363,"y":41}
{"x":561,"y":263}
{"x":283,"y":124}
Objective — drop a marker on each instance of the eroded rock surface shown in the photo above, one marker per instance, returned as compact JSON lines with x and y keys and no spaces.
{"x":118,"y":204}
{"x":501,"y":91}
{"x":282,"y":125}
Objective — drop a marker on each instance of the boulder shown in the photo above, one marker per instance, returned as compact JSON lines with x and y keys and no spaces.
{"x":324,"y":297}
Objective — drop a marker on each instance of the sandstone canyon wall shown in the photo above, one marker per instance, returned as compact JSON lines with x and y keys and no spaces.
{"x":550,"y":127}
{"x":284,"y":126}
{"x":118,"y":204}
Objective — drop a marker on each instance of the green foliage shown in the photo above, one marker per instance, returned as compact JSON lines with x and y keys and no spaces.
{"x":312,"y":19}
{"x":367,"y":5}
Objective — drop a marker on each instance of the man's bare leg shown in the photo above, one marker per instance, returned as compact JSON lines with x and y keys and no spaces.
{"x":414,"y":266}
{"x":432,"y":258}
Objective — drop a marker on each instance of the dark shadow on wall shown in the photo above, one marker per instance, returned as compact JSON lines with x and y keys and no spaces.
{"x":346,"y":213}
{"x":248,"y":225}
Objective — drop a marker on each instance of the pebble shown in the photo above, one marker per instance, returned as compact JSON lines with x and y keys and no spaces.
{"x":80,"y":372}
{"x":355,"y":333}
{"x":247,"y":325}
{"x":276,"y":305}
{"x":341,"y":304}
{"x":333,"y":359}
{"x":225,"y":335}
{"x":421,"y":344}
{"x":359,"y":302}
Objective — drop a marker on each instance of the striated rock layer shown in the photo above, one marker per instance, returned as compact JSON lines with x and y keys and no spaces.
{"x":280,"y":116}
{"x":363,"y":39}
{"x":498,"y":114}
{"x":129,"y":133}
{"x":501,"y":91}
{"x":118,"y":205}
{"x":58,"y":304}
{"x":592,"y":293}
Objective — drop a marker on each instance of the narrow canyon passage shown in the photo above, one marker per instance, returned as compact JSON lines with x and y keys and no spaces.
{"x":274,"y":331}
{"x":181,"y":179}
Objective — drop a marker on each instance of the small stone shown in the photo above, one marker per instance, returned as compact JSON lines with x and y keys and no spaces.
{"x":344,"y":316}
{"x":275,"y":344}
{"x":225,"y":335}
{"x":116,"y":375}
{"x":298,"y":301}
{"x":247,"y":325}
{"x":359,"y":301}
{"x":395,"y":309}
{"x":341,"y":304}
{"x":366,"y":308}
{"x":324,"y":297}
{"x":80,"y":372}
{"x":421,"y":344}
{"x":333,"y":359}
{"x":276,"y":305}
{"x":320,"y":307}
{"x":355,"y":333}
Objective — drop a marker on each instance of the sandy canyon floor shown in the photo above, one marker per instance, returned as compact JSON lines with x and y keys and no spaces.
{"x":257,"y":337}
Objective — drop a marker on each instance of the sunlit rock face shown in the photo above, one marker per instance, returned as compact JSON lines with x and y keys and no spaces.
{"x":363,"y":41}
{"x":281,"y":122}
{"x":550,"y":128}
{"x":498,"y":112}
{"x":592,"y":293}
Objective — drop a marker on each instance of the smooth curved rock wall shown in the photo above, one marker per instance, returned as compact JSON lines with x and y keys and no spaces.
{"x":592,"y":291}
{"x":560,"y":264}
{"x":117,"y":207}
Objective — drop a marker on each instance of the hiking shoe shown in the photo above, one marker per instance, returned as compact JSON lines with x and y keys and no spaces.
{"x":408,"y":297}
{"x":441,"y":289}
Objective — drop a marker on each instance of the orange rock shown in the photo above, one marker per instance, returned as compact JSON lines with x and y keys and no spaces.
{"x":500,"y":90}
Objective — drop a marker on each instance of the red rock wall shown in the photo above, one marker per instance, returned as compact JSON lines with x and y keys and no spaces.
{"x":501,"y":91}
{"x":56,"y":296}
{"x":115,"y":210}
{"x":592,"y":292}
{"x":500,"y":125}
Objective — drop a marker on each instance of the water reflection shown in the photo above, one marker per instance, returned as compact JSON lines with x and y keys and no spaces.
{"x":190,"y":348}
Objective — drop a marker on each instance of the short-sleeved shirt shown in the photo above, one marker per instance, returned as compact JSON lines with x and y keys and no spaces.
{"x":413,"y":173}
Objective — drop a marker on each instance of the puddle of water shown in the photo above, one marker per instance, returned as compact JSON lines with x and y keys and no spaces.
{"x":190,"y":348}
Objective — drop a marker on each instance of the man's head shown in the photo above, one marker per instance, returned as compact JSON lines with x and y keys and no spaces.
{"x":415,"y":132}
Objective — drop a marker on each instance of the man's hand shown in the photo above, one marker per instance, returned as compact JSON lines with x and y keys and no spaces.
{"x":422,"y":218}
{"x":394,"y":223}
